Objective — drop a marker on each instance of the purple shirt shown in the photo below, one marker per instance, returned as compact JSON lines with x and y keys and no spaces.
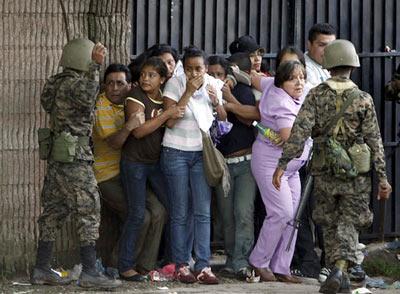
{"x":279,"y":110}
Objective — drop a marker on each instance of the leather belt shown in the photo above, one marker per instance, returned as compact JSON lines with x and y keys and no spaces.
{"x":232,"y":160}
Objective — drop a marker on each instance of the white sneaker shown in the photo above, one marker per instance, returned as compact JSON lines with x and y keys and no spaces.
{"x":324,"y":274}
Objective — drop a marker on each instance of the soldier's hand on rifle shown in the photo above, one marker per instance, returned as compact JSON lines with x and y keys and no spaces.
{"x":99,"y":53}
{"x":384,"y":190}
{"x":276,"y":180}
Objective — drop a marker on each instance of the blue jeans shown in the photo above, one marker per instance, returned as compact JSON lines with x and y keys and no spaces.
{"x":134,"y":177}
{"x":237,"y":210}
{"x":186,"y":179}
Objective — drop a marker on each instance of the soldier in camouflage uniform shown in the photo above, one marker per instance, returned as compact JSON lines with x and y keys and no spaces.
{"x":341,"y":205}
{"x":392,"y":89}
{"x":70,"y":187}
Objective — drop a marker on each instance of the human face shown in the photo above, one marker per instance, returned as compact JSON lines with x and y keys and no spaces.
{"x":169,"y":62}
{"x":317,"y":47}
{"x":116,"y":87}
{"x":295,"y":85}
{"x":256,"y":59}
{"x":194,"y":67}
{"x":289,"y":56}
{"x":217,"y":71}
{"x":150,"y":80}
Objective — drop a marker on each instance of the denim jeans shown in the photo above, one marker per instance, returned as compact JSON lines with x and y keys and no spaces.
{"x":187,"y":184}
{"x":237,"y":210}
{"x":134,"y":177}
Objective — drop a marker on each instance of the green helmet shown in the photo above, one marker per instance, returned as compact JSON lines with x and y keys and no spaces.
{"x":77,"y":54}
{"x":340,"y":53}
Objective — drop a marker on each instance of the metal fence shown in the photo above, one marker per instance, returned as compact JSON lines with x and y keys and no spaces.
{"x":213,"y":24}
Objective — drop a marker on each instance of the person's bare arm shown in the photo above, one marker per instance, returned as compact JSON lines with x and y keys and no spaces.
{"x":153,"y":124}
{"x":117,"y":139}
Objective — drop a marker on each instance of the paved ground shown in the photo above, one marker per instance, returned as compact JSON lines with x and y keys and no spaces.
{"x":226,"y":286}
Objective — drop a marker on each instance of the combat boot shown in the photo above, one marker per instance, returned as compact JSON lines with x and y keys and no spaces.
{"x":90,"y":277}
{"x":333,"y":282}
{"x":42,"y":274}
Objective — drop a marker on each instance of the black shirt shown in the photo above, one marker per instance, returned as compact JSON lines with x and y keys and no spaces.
{"x":241,"y":136}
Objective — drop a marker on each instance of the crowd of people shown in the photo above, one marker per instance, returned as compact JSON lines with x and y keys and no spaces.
{"x":147,"y":129}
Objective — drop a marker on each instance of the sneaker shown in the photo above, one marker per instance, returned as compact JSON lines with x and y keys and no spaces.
{"x":356,"y":273}
{"x":243,"y":273}
{"x":184,"y":275}
{"x":227,"y":272}
{"x":206,"y":276}
{"x":296,"y":272}
{"x":324,"y":274}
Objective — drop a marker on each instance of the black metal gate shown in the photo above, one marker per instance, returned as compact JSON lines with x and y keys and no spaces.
{"x":213,"y":24}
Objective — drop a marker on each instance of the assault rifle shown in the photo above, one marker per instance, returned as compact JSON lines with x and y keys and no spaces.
{"x":305,"y":195}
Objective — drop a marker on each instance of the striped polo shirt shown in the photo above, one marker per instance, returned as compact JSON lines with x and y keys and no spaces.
{"x":108,"y":119}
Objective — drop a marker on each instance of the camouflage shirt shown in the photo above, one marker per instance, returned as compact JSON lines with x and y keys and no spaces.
{"x":319,"y":108}
{"x":70,"y":99}
{"x":392,"y":91}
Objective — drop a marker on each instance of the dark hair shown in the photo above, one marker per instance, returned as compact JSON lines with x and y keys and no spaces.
{"x":136,"y":66}
{"x":320,"y":29}
{"x":160,"y":49}
{"x":215,"y":59}
{"x":290,"y":50}
{"x":193,"y":51}
{"x":158,"y":65}
{"x":285,"y":71}
{"x":242,"y":60}
{"x":117,"y":67}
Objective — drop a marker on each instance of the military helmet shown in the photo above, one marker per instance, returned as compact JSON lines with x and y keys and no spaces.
{"x":340,"y":53}
{"x":77,"y":54}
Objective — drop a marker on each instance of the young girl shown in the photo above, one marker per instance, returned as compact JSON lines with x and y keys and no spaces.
{"x":182,"y":162}
{"x":140,"y":157}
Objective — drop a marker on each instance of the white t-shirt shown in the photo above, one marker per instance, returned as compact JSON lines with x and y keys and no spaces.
{"x":315,"y":73}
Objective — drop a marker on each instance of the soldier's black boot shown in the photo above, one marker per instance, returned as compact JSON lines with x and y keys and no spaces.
{"x":42,"y":273}
{"x":335,"y":279}
{"x":90,"y":277}
{"x":333,"y":282}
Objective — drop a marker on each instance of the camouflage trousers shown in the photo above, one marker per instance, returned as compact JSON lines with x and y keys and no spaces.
{"x":70,"y":188}
{"x":341,"y":208}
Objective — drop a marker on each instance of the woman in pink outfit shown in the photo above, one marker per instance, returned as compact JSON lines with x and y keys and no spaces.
{"x":281,"y":100}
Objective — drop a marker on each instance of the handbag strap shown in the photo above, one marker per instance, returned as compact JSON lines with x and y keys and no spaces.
{"x":346,"y":104}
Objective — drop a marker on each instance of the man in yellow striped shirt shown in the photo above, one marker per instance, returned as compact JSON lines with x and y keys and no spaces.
{"x":109,"y":134}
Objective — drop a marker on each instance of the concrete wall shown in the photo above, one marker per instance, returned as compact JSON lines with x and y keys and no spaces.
{"x":32,"y":34}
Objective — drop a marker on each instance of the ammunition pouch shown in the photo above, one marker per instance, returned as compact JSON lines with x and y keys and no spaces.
{"x":64,"y":146}
{"x":45,"y":143}
{"x":318,"y":159}
{"x":339,"y":160}
{"x":329,"y":155}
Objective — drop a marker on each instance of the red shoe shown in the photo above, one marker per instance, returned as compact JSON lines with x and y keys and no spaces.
{"x":206,"y":276}
{"x":184,"y":275}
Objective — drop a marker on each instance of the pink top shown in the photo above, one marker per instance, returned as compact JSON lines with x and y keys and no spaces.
{"x":279,"y":110}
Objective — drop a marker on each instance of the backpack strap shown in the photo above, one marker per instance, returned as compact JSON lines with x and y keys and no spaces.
{"x":346,"y":104}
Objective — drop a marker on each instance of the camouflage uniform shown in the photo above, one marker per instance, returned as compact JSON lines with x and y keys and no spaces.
{"x":341,"y":207}
{"x":71,"y":187}
{"x":392,"y":91}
